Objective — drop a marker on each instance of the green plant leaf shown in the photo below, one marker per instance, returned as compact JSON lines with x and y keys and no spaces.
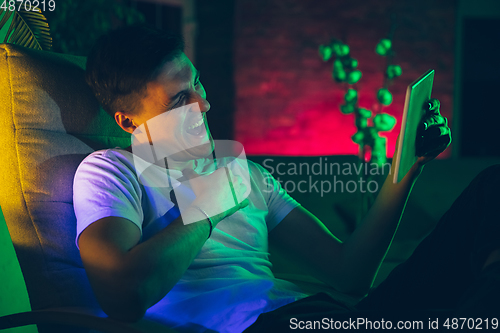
{"x":325,"y":51}
{"x":384,"y":96}
{"x":384,"y":122}
{"x":340,"y":49}
{"x":351,"y":95}
{"x":339,"y":75}
{"x":361,"y":122}
{"x":393,"y":71}
{"x":5,"y":18}
{"x":358,"y":137}
{"x":347,"y":108}
{"x":383,"y":47}
{"x":354,"y":76}
{"x":349,"y":62}
{"x":364,"y":113}
{"x":28,"y":29}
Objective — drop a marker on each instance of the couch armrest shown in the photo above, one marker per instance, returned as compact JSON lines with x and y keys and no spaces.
{"x":81,"y":317}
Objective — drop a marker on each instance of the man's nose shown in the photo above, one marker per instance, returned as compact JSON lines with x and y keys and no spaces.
{"x":204,"y":104}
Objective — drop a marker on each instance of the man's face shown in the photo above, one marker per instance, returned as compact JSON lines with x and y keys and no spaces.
{"x":170,"y":123}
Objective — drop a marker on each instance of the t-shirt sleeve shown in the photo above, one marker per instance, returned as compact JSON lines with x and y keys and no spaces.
{"x":105,"y":186}
{"x":279,"y":202}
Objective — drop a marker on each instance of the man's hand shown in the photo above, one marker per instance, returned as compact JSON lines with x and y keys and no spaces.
{"x":217,"y":192}
{"x":433,"y":134}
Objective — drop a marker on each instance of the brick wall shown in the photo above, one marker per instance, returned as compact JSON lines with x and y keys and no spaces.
{"x":286,"y":101}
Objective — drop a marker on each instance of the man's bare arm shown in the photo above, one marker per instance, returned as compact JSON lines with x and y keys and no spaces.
{"x":351,"y":266}
{"x":128,"y":277}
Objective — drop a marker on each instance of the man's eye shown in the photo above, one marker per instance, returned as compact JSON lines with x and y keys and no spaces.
{"x":181,"y":98}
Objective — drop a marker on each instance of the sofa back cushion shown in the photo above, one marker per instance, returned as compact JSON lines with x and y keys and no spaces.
{"x":50,"y":121}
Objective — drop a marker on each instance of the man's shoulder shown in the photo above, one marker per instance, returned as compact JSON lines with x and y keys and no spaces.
{"x":110,"y":160}
{"x":257,"y":170}
{"x":109,"y":154}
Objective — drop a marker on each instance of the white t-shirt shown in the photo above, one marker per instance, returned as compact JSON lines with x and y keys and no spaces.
{"x":229,"y":283}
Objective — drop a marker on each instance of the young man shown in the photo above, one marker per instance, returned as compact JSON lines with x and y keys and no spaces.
{"x":142,"y":256}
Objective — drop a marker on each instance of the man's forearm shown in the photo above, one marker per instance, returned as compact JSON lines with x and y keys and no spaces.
{"x":152,"y":268}
{"x":364,"y":251}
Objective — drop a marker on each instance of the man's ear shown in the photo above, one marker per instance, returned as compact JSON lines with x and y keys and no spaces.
{"x":125,"y":122}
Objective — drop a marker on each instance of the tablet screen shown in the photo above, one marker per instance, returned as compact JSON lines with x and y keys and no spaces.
{"x":417,"y":94}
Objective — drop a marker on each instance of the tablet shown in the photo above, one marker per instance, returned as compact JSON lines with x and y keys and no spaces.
{"x":417,"y":94}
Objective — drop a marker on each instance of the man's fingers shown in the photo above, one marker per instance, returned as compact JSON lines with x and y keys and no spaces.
{"x":436,"y":135}
{"x":432,"y":115}
{"x":435,"y":131}
{"x":430,"y":146}
{"x":432,"y":106}
{"x":433,"y":120}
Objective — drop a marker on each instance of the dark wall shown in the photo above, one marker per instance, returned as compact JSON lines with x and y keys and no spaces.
{"x":214,"y":59}
{"x":480,"y":87}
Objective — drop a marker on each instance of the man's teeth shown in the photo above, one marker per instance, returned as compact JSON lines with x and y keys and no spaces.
{"x":199,"y":123}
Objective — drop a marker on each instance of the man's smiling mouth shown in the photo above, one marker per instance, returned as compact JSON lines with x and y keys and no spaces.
{"x":200,"y":122}
{"x":197,"y":128}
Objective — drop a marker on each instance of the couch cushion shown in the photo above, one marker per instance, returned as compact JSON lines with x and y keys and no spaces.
{"x":50,"y":121}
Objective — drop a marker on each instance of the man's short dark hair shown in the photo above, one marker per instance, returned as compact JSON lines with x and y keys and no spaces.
{"x":123,"y":61}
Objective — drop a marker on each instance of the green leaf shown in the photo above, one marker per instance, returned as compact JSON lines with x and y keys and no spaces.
{"x":325,"y":52}
{"x":379,"y":142}
{"x":386,"y":43}
{"x":365,"y":113}
{"x":350,"y":63}
{"x":347,"y":108}
{"x":379,"y":151}
{"x":383,"y":47}
{"x":361,"y":122}
{"x":393,"y":71}
{"x":380,"y":50}
{"x":337,"y":64}
{"x":340,"y":49}
{"x":351,"y":95}
{"x":344,"y":50}
{"x":354,"y":76}
{"x":397,"y":70}
{"x":358,"y":137}
{"x":5,"y":18}
{"x":339,"y":74}
{"x":384,"y":122}
{"x":384,"y":96}
{"x":28,"y":29}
